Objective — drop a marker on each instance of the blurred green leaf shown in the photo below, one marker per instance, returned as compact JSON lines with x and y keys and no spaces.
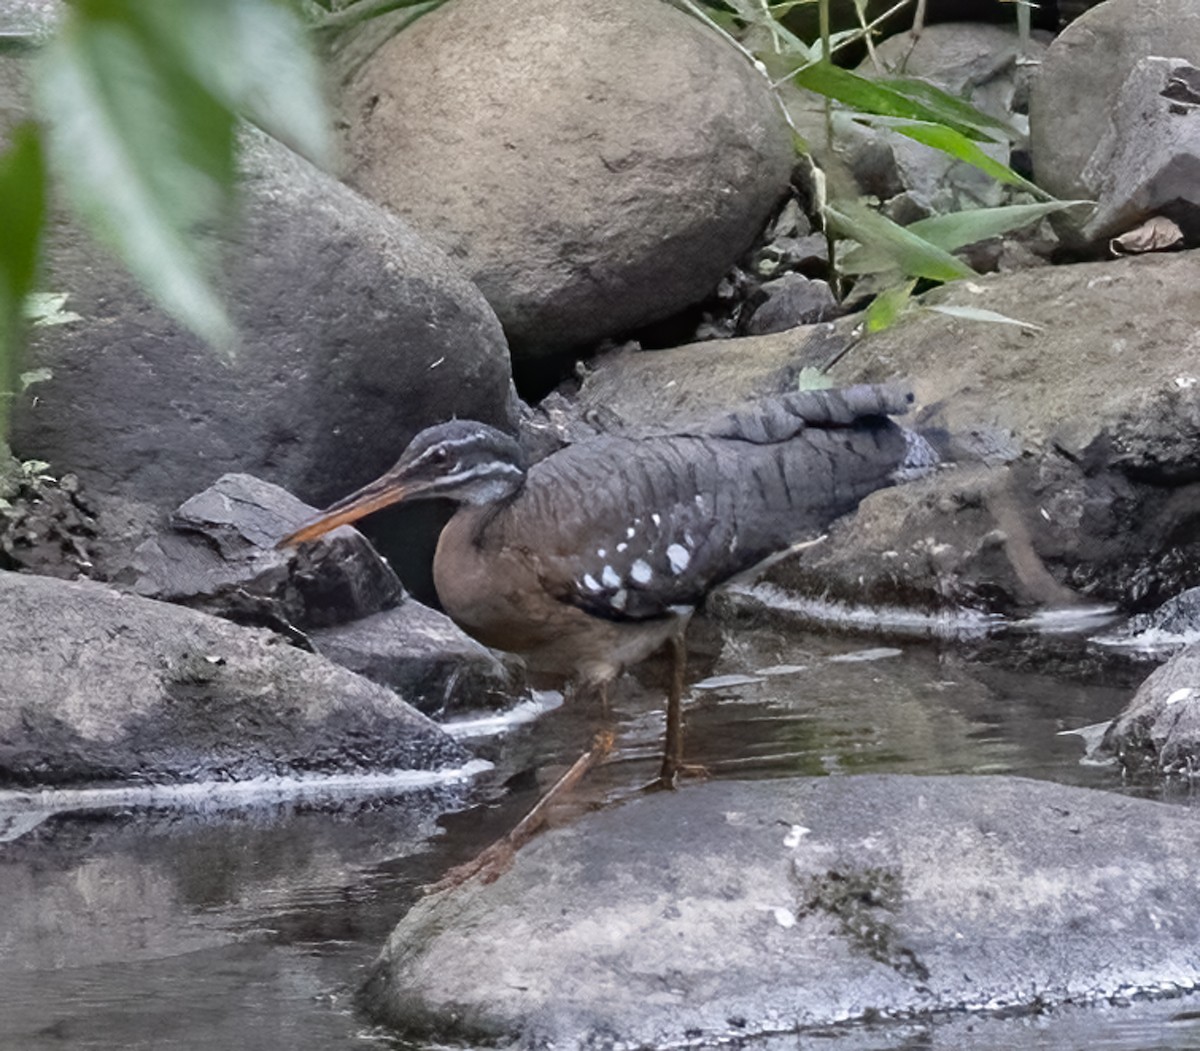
{"x":22,"y":209}
{"x":892,"y":246}
{"x":875,"y":97}
{"x":252,"y":56}
{"x":886,"y":307}
{"x":141,"y":102}
{"x":159,"y":149}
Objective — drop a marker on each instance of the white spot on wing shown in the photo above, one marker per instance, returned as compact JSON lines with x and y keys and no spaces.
{"x":679,"y":557}
{"x":629,"y":533}
{"x":610,"y":578}
{"x":784,"y":917}
{"x":792,"y":839}
{"x":656,"y":518}
{"x":622,"y":546}
{"x":601,"y":552}
{"x":590,"y":582}
{"x":641,"y":572}
{"x":618,"y":599}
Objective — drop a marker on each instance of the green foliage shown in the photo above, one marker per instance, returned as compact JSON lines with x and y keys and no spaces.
{"x":886,"y":307}
{"x":149,"y":93}
{"x":892,"y":255}
{"x":22,"y":212}
{"x":896,"y":245}
{"x":139,"y":104}
{"x":361,"y":10}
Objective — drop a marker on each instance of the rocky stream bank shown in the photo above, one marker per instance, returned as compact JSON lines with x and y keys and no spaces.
{"x":215,"y":747}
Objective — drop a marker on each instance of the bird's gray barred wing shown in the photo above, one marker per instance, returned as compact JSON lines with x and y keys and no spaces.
{"x":783,"y":416}
{"x":629,"y":528}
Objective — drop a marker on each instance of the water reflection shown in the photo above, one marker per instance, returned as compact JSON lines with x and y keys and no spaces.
{"x":247,"y":926}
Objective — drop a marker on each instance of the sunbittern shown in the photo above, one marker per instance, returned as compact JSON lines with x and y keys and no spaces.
{"x":594,"y":558}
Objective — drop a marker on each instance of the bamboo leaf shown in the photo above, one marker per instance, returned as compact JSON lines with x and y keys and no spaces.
{"x":977,"y":224}
{"x":952,"y":142}
{"x":887,"y":307}
{"x":981,"y":314}
{"x":950,"y":109}
{"x":914,"y":256}
{"x":876,"y":97}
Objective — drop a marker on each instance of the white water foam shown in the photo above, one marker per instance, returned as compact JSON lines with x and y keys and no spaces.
{"x":23,"y":810}
{"x":494,"y":724}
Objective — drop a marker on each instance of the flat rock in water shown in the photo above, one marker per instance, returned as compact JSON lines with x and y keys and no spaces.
{"x":425,"y":657}
{"x":96,"y":686}
{"x":220,"y":556}
{"x":732,"y":909}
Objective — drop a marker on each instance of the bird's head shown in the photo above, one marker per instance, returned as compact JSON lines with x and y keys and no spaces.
{"x":463,"y":461}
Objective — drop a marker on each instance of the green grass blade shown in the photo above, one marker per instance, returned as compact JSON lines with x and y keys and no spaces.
{"x":911,"y":254}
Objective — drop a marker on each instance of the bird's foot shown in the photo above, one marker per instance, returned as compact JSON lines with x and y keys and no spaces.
{"x":671,"y":772}
{"x":492,"y":862}
{"x":489,"y":865}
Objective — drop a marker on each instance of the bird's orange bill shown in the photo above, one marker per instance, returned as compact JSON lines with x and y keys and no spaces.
{"x":383,"y":492}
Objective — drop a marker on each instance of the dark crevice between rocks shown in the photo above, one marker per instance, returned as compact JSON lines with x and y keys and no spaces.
{"x":46,"y":524}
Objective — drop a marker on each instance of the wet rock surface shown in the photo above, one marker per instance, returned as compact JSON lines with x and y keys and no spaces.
{"x":1159,"y":731}
{"x":98,"y":686}
{"x":732,"y":909}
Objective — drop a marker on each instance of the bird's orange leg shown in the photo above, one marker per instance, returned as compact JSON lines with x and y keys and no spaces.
{"x":493,"y":861}
{"x":673,"y":766}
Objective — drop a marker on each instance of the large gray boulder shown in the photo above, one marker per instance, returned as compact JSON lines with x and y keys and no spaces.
{"x":100,"y":686}
{"x":1149,"y":161}
{"x":728,"y":910}
{"x":593,"y":165}
{"x":1073,"y":98}
{"x":356,"y":334}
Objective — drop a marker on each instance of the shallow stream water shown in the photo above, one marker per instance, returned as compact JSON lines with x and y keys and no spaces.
{"x":243,"y":920}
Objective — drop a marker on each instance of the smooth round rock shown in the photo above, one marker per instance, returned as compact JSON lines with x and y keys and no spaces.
{"x":595,"y":165}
